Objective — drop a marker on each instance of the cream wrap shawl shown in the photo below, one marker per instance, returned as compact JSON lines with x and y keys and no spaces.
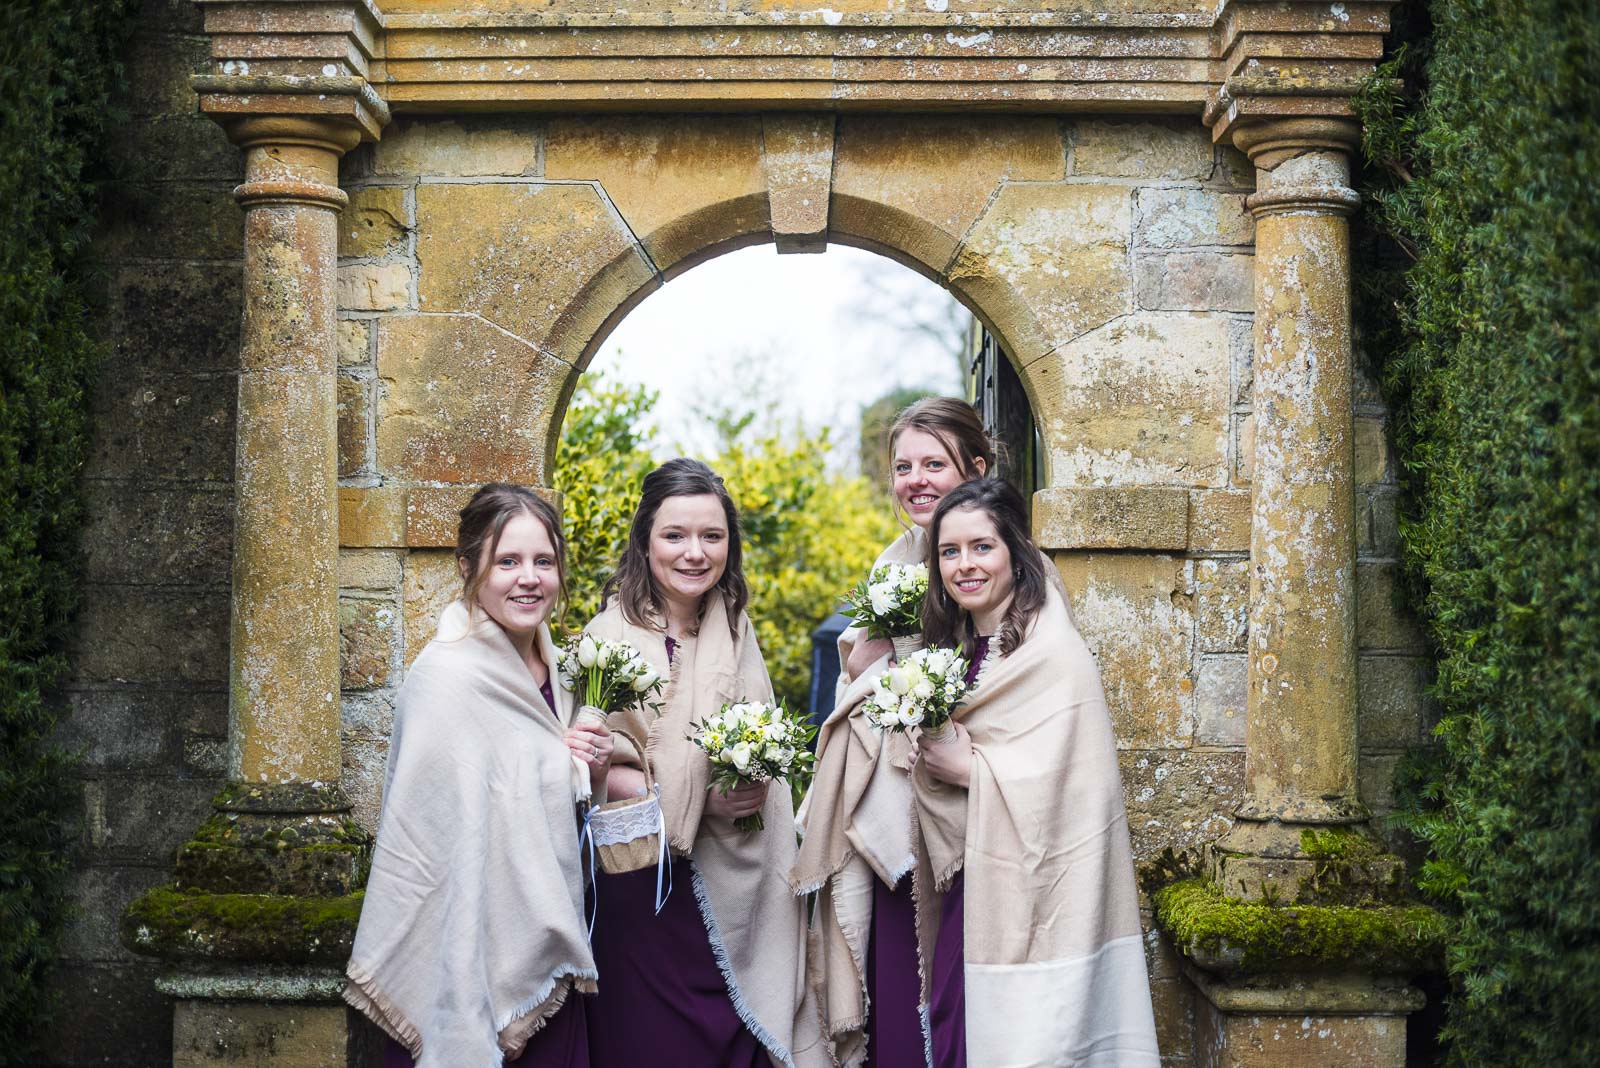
{"x":756,"y":927}
{"x":856,"y":826}
{"x":1054,"y":958}
{"x":472,"y":932}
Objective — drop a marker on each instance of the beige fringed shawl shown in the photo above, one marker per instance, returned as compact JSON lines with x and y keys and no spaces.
{"x":1054,"y":959}
{"x":856,"y":826}
{"x":757,"y":929}
{"x":472,"y":933}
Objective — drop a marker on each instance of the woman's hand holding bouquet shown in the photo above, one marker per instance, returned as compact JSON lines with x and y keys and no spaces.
{"x":752,"y":742}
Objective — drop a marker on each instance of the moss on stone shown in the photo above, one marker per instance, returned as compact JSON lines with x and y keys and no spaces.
{"x":168,"y":923}
{"x":1226,"y":934}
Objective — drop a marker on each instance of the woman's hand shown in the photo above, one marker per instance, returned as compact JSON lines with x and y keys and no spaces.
{"x":737,"y":803}
{"x":592,"y":744}
{"x":867,"y":651}
{"x":949,"y":760}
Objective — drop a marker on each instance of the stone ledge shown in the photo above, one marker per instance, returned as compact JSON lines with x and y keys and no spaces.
{"x":268,"y":928}
{"x":396,"y":516}
{"x":314,"y":985}
{"x":1231,"y":937}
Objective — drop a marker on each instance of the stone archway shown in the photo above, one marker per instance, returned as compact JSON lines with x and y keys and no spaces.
{"x":1081,"y":187}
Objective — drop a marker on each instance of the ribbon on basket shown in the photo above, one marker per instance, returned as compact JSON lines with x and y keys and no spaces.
{"x":626,"y":825}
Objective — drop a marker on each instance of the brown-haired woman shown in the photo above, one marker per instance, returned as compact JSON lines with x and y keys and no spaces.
{"x":717,"y":976}
{"x":472,"y":936}
{"x":1023,"y":858}
{"x":857,"y":850}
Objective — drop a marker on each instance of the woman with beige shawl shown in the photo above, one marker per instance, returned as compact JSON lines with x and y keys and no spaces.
{"x":715,"y":975}
{"x":472,"y":935}
{"x":856,"y":820}
{"x":1028,"y":920}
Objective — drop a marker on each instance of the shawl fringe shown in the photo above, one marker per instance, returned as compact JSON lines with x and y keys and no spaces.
{"x":714,"y":932}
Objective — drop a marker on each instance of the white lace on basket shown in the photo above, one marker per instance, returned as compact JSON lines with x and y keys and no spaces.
{"x":618,"y":825}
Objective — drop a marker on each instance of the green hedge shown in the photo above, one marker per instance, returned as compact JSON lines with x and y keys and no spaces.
{"x":56,"y":68}
{"x":1489,"y":176}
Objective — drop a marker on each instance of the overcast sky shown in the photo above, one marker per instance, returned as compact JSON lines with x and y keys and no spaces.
{"x":821,"y":334}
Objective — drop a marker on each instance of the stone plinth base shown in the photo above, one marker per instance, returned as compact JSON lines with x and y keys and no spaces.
{"x":1332,"y":1022}
{"x":268,"y":1020}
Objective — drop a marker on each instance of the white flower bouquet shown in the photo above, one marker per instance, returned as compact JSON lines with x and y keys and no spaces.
{"x":753,"y":741}
{"x":920,"y":691}
{"x":888,"y":604}
{"x":607,"y":677}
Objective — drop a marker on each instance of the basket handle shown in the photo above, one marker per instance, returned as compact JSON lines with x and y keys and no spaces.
{"x":644,"y":758}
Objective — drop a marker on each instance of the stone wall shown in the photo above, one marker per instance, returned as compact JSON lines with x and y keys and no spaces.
{"x":483,"y":258}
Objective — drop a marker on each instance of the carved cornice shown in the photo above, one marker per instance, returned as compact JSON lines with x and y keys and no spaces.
{"x":1228,"y":59}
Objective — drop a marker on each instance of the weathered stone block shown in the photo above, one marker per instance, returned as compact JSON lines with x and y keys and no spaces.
{"x":432,"y":582}
{"x":125,"y":729}
{"x":1241,"y":355}
{"x":1222,"y":605}
{"x":465,"y":146}
{"x":1382,"y":619}
{"x":158,"y":69}
{"x":131,"y":1017}
{"x":372,"y":515}
{"x":1196,"y":281}
{"x":1257,"y":1040}
{"x":369,"y":638}
{"x":463,"y":401}
{"x":374,"y":571}
{"x":433,"y":515}
{"x":99,"y":894}
{"x":1182,"y":218}
{"x":1136,"y":614}
{"x":365,"y":754}
{"x":232,"y":1034}
{"x":682,"y":184}
{"x":889,"y":191}
{"x":1391,"y":700}
{"x":115,"y":413}
{"x":170,"y":147}
{"x":1219,"y":520}
{"x":139,"y":223}
{"x":179,"y":317}
{"x":142,"y":821}
{"x":355,"y":421}
{"x":354,"y":338}
{"x":797,"y":158}
{"x":149,"y":534}
{"x":134,"y":634}
{"x":1058,"y":251}
{"x":1175,"y":149}
{"x":1234,"y":169}
{"x":186,"y":427}
{"x":1372,"y":452}
{"x":374,"y":287}
{"x":375,"y":223}
{"x":1111,"y":518}
{"x":548,"y":263}
{"x":1173,"y":1003}
{"x":1378,"y":524}
{"x":1376,"y":773}
{"x":1221,"y":696}
{"x":1183,"y":799}
{"x":1142,"y":401}
{"x":1244,"y":450}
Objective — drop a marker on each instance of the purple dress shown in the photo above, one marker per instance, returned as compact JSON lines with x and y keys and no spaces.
{"x":894,"y":1023}
{"x":663,"y":1001}
{"x":563,"y":1042}
{"x":947,"y":1004}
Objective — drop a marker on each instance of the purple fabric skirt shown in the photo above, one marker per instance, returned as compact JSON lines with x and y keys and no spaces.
{"x":563,"y":1042}
{"x":894,"y":1025}
{"x":662,"y":1000}
{"x":947,"y":1006}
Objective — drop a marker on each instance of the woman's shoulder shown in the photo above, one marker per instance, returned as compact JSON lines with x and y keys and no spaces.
{"x":911,"y":547}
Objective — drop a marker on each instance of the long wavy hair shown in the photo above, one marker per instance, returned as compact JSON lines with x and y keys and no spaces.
{"x":944,"y":622}
{"x":634,"y":586}
{"x":484,"y":520}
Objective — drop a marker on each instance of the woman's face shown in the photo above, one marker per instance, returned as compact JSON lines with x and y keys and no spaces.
{"x":975,"y":566}
{"x":924,"y":471}
{"x":688,"y":548}
{"x":521,"y":578}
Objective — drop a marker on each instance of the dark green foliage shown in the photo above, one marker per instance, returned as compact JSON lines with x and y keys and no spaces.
{"x":1490,"y":177}
{"x":56,"y":69}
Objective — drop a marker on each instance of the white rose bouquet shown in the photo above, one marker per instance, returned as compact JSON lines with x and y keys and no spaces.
{"x":607,"y":677}
{"x":752,"y":741}
{"x":920,"y":691}
{"x":888,"y":604}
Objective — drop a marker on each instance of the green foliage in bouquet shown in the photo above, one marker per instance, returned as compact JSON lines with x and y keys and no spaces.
{"x":57,"y":70}
{"x":1481,"y":169}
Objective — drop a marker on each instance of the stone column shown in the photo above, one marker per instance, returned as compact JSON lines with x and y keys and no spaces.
{"x":284,"y":654}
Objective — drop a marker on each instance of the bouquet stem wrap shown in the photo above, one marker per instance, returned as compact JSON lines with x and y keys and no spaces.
{"x":906,"y":644}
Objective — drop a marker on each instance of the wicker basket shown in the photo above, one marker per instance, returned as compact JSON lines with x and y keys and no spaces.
{"x":628,"y":833}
